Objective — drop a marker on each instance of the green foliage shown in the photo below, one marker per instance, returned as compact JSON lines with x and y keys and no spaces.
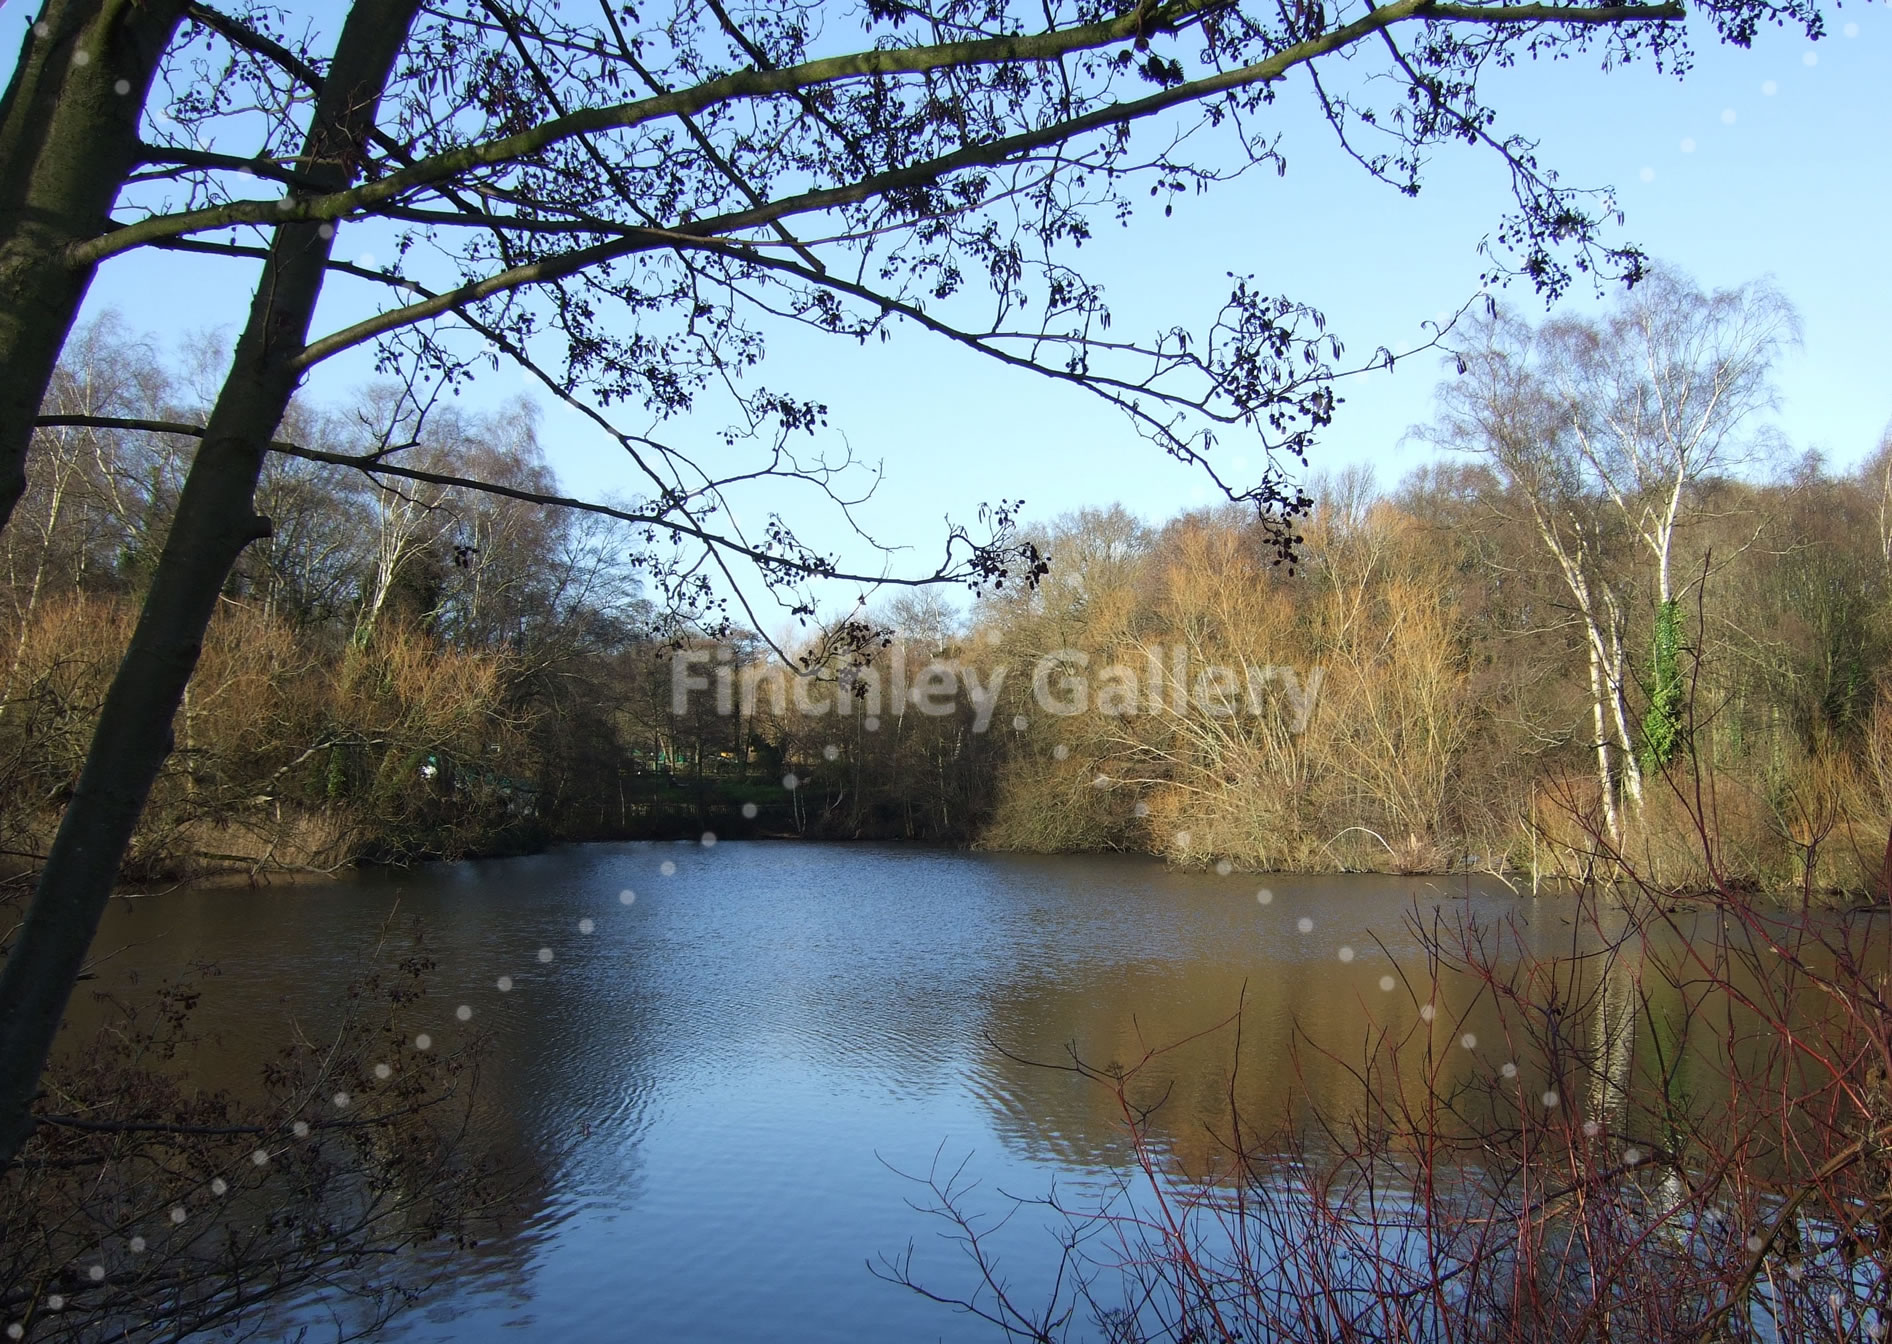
{"x":1662,"y":727}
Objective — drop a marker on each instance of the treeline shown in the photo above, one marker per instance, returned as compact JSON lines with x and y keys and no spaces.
{"x":1444,"y":716}
{"x":1454,"y":721}
{"x":404,"y":669}
{"x":1616,"y":618}
{"x":1619,"y":620}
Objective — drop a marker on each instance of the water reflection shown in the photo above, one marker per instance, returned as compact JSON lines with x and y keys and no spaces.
{"x":704,"y":1089}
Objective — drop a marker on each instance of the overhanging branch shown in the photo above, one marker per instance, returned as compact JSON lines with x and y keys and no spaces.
{"x":713,"y":232}
{"x":375,"y":464}
{"x":881,"y":62}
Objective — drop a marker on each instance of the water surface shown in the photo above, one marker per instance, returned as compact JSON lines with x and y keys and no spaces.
{"x":715,"y":1090}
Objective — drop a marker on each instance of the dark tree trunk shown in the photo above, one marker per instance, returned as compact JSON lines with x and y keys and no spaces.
{"x":68,"y":138}
{"x":215,"y":520}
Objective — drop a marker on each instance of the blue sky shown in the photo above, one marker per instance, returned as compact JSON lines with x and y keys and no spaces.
{"x":1775,"y":161}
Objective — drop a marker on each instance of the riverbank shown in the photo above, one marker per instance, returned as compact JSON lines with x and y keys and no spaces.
{"x":728,"y":821}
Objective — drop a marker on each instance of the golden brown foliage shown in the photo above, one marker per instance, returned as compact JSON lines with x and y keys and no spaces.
{"x":286,"y":757}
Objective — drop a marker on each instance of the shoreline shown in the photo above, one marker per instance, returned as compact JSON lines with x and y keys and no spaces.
{"x":247,"y":874}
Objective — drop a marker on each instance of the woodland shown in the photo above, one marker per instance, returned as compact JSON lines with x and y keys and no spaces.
{"x":1558,"y":629}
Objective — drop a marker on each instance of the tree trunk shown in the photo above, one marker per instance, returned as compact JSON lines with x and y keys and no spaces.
{"x":1619,"y":708}
{"x":1605,"y":770}
{"x":68,"y":138}
{"x":215,"y":520}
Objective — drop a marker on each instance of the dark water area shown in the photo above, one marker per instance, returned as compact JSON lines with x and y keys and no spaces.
{"x":713,"y":1087}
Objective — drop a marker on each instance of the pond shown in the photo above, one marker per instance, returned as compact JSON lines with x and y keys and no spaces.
{"x":715,"y":1081}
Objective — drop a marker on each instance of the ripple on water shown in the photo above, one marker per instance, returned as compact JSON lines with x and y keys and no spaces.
{"x":712,"y":1092}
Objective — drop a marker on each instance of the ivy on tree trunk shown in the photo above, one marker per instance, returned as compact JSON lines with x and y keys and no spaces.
{"x":1662,"y":730}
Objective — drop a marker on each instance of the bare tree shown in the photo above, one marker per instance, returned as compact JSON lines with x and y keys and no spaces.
{"x":1504,"y":407}
{"x":1661,"y":394}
